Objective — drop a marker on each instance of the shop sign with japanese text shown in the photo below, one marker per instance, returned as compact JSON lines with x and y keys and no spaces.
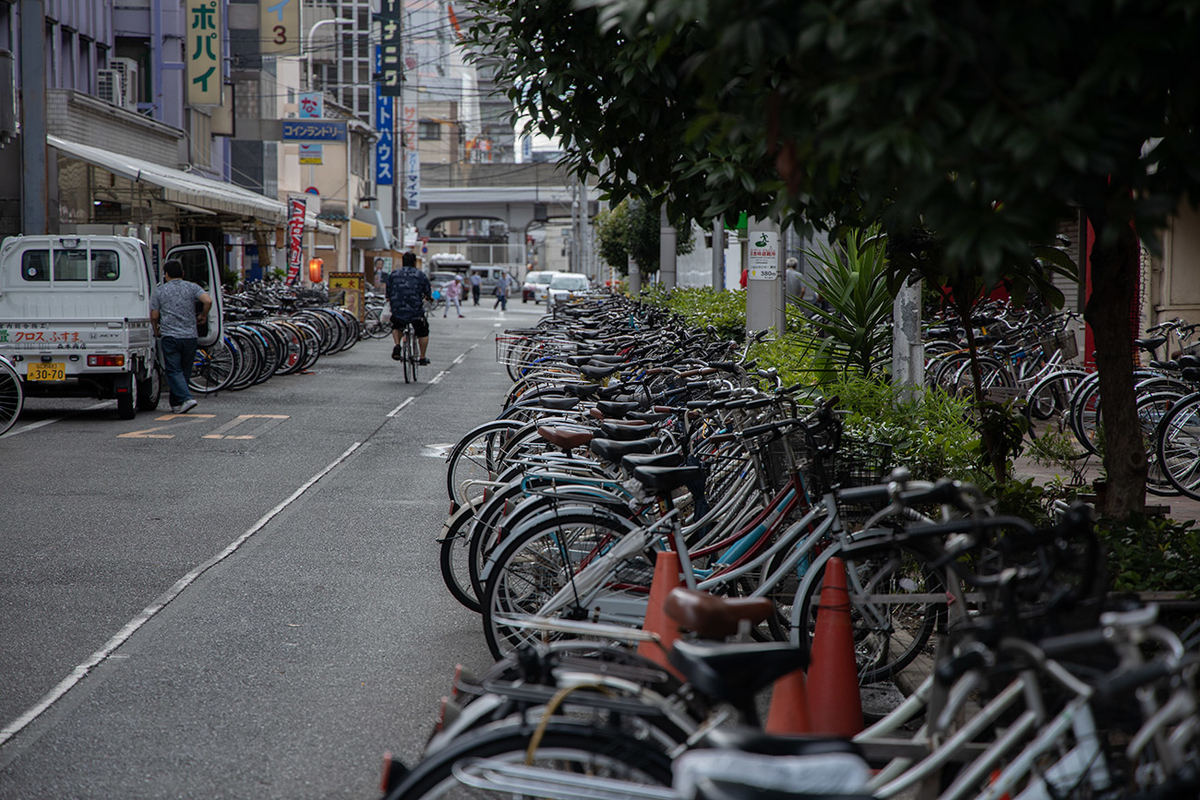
{"x":391,"y":70}
{"x":314,"y":130}
{"x":203,"y":45}
{"x":312,"y":106}
{"x":385,"y":121}
{"x":279,"y":23}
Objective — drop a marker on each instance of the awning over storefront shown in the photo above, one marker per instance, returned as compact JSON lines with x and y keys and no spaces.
{"x":185,"y":190}
{"x":368,"y":231}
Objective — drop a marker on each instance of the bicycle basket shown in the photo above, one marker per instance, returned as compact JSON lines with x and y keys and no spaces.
{"x":858,"y":463}
{"x":1064,"y":341}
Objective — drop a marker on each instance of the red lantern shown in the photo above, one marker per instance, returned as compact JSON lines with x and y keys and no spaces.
{"x":315,"y":269}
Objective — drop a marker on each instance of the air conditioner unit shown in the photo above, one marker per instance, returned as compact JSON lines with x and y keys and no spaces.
{"x":129,"y":80}
{"x":110,"y":87}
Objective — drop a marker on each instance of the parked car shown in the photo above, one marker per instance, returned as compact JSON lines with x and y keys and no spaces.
{"x":490,"y":277}
{"x":536,"y":284}
{"x":566,"y":286}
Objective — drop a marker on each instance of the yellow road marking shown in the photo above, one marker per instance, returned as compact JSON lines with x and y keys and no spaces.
{"x":176,"y":420}
{"x":223,"y":431}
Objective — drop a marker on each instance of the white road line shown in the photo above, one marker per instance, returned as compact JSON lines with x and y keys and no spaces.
{"x":35,"y":425}
{"x":437,"y":378}
{"x":400,"y":407}
{"x":105,"y":652}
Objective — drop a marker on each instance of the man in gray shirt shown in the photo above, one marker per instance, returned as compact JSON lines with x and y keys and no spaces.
{"x":175,"y":319}
{"x":795,"y":282}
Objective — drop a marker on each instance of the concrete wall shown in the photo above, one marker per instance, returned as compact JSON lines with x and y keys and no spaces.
{"x":88,"y":120}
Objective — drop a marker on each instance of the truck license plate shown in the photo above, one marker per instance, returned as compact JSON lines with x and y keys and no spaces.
{"x":47,"y":372}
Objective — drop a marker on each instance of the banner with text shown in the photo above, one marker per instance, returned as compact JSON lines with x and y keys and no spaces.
{"x":296,"y":209}
{"x":203,"y":45}
{"x":410,"y":116}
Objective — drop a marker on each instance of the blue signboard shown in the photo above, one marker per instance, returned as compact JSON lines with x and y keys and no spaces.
{"x":314,"y":130}
{"x":385,"y":121}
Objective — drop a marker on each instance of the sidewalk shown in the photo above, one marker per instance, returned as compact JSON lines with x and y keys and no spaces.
{"x":1177,"y":507}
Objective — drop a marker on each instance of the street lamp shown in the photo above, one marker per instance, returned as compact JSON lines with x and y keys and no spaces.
{"x":313,"y":30}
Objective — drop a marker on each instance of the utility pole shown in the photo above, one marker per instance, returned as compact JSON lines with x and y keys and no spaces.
{"x":718,"y":253}
{"x":34,"y":177}
{"x":666,"y":249}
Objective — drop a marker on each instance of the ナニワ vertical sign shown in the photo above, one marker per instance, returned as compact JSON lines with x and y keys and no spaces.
{"x":391,"y":78}
{"x":202,"y":48}
{"x":296,"y":209}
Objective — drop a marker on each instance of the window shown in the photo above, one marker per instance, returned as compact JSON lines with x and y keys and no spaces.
{"x":71,"y":265}
{"x":429,"y":130}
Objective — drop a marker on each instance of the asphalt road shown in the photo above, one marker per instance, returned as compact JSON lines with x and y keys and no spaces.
{"x":255,"y":615}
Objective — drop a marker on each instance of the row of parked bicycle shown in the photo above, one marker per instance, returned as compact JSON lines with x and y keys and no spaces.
{"x":272,"y":331}
{"x":1033,"y":359}
{"x":627,"y":435}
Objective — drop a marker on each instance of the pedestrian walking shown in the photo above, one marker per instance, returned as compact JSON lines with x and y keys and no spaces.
{"x":177,"y":309}
{"x":476,"y":280}
{"x":501,"y":292}
{"x":794,"y":281}
{"x":453,"y":290}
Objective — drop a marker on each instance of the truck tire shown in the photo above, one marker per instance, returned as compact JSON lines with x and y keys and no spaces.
{"x":149,"y":390}
{"x":127,"y":403}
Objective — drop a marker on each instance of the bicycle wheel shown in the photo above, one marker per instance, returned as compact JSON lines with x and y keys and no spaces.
{"x":406,"y":356}
{"x":533,"y":565}
{"x":414,"y":351}
{"x":456,"y":549}
{"x":1049,"y":410}
{"x":588,"y":749}
{"x":1178,"y":446}
{"x":904,"y":604}
{"x":1152,"y":409}
{"x":476,"y":457}
{"x":12,"y":395}
{"x":214,"y":367}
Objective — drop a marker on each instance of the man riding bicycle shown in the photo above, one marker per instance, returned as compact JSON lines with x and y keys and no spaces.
{"x":407,"y":289}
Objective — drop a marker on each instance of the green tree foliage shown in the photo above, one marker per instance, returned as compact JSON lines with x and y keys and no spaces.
{"x":632,"y":229}
{"x":986,"y":123}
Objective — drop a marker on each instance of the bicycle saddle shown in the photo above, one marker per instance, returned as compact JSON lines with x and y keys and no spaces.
{"x":613,"y":451}
{"x":624,"y":431}
{"x":735,"y":672}
{"x":630,"y":462}
{"x":663,"y":480}
{"x":581,"y":390}
{"x":565,"y":437}
{"x":751,"y":740}
{"x":1151,"y":343}
{"x":557,"y":403}
{"x":598,"y":373}
{"x":614,"y":408}
{"x":653,"y":417}
{"x":713,"y":617}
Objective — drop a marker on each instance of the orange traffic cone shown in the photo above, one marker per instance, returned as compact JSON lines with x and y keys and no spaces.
{"x":666,"y":578}
{"x":789,"y":706}
{"x":836,"y":706}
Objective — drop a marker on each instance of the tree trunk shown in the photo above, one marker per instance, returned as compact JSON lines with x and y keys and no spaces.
{"x":1115,"y":269}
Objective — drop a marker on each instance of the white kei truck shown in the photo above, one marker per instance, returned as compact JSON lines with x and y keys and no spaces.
{"x":75,"y":315}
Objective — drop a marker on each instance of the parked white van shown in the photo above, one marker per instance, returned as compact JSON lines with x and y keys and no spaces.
{"x":75,"y":315}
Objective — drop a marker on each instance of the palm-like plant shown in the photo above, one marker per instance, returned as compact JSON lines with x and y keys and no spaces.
{"x":852,"y":280}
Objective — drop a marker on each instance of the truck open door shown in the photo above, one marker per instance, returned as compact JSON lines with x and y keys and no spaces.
{"x":200,"y":266}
